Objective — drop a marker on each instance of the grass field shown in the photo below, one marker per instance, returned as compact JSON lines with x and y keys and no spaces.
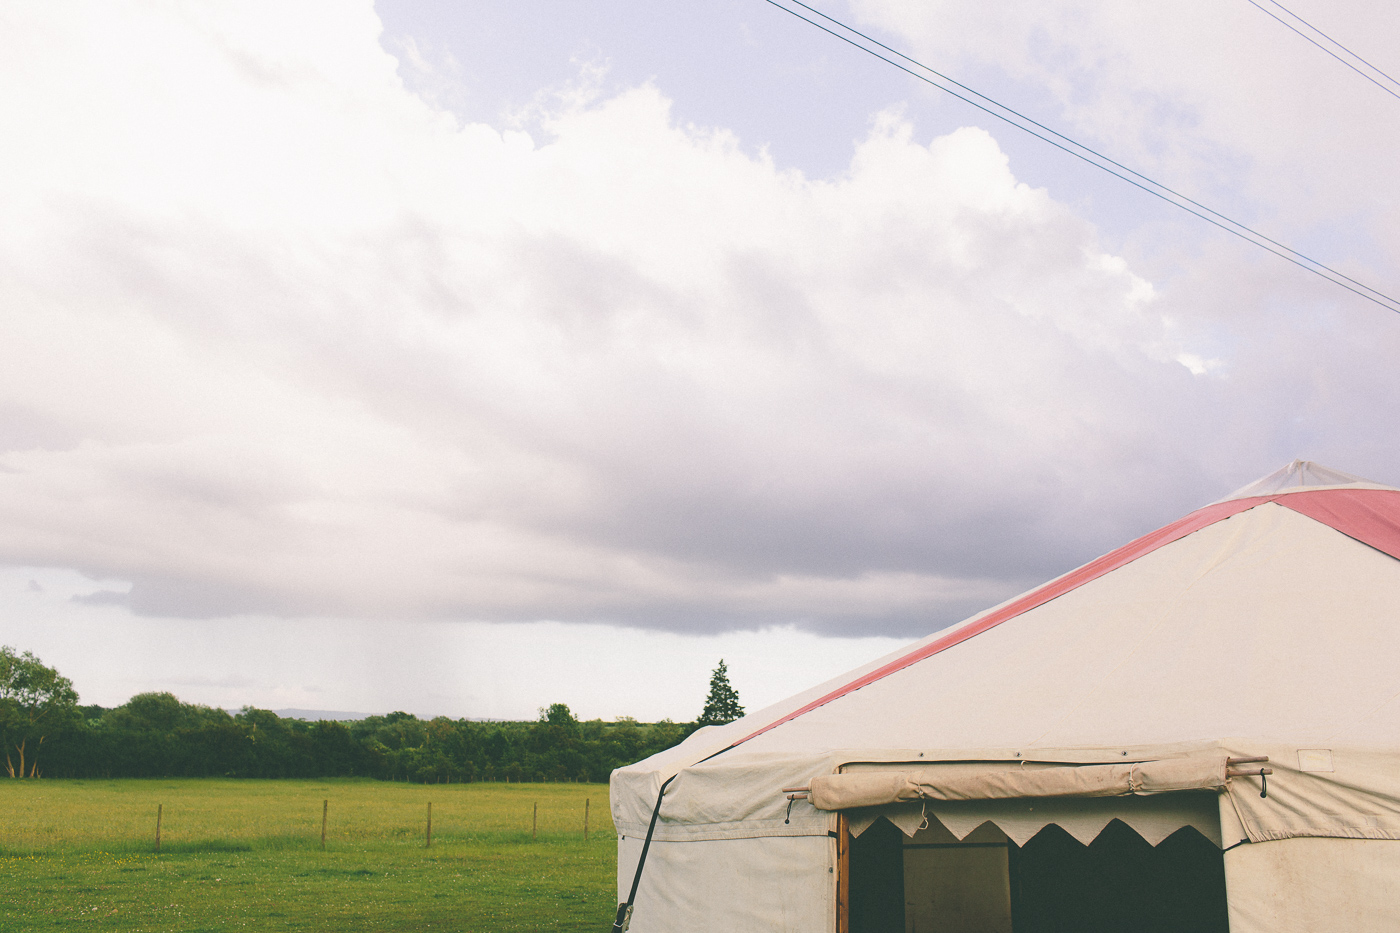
{"x":245,"y":855}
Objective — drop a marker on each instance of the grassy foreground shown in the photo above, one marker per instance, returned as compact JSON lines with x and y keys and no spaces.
{"x":245,"y":855}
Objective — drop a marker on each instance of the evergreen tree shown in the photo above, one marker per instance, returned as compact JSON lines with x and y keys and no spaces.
{"x":722,"y":705}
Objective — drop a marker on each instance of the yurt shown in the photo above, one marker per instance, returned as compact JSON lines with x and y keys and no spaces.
{"x":1199,"y":731}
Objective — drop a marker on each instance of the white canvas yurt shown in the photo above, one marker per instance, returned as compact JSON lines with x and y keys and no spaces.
{"x":1199,"y":731}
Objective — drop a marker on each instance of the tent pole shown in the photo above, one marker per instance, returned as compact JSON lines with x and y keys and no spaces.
{"x":624,"y":910}
{"x":843,"y":875}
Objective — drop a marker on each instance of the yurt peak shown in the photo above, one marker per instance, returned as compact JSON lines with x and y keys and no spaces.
{"x":1298,"y":476}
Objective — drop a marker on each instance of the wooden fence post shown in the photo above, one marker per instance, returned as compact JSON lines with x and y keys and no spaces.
{"x":429,"y":843}
{"x":325,"y":805}
{"x":585,"y":819}
{"x":159,"y":807}
{"x":535,"y":822}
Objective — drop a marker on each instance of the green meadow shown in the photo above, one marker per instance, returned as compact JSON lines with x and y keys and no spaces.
{"x":246,"y":855}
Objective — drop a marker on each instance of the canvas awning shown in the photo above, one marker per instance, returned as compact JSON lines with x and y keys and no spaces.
{"x":1153,"y":818}
{"x":1021,"y":798}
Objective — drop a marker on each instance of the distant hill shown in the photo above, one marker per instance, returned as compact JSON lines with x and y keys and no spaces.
{"x":340,"y":715}
{"x":311,"y":715}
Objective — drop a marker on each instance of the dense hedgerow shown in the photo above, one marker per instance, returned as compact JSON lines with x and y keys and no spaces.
{"x":156,"y":735}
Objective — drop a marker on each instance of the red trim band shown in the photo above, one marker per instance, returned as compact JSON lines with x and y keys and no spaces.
{"x":1371,"y":516}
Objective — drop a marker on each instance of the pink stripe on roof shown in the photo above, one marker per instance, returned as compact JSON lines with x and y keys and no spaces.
{"x":1371,"y":516}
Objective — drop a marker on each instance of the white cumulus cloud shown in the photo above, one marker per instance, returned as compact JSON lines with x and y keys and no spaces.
{"x":283,"y":337}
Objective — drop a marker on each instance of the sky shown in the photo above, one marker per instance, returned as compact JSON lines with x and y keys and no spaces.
{"x":467,"y":357}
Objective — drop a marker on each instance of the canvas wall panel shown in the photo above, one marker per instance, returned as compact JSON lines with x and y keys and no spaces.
{"x":779,"y":884}
{"x":1314,"y":885}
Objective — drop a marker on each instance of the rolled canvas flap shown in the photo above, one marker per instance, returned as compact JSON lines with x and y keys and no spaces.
{"x":870,"y":789}
{"x":1176,"y":774}
{"x":995,"y":781}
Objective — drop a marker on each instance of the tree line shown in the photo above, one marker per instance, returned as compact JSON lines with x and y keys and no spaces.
{"x":46,"y":733}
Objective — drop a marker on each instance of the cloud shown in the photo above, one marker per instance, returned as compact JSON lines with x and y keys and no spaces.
{"x":283,"y":338}
{"x":1223,"y":103}
{"x":101,"y":598}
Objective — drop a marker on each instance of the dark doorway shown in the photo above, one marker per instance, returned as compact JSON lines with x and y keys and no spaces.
{"x":877,"y":880}
{"x":1057,"y":884}
{"x":1118,"y":882}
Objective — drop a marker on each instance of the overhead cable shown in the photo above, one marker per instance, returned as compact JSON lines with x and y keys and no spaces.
{"x":1393,"y":84}
{"x":1080,"y":151}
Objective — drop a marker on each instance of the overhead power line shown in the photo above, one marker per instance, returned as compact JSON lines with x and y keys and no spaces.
{"x":924,"y":73}
{"x":1389,"y":89}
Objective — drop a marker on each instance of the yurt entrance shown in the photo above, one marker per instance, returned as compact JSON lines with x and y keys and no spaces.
{"x":1052,"y":883}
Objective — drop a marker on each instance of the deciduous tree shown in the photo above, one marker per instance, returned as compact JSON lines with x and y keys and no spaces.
{"x":35,"y":702}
